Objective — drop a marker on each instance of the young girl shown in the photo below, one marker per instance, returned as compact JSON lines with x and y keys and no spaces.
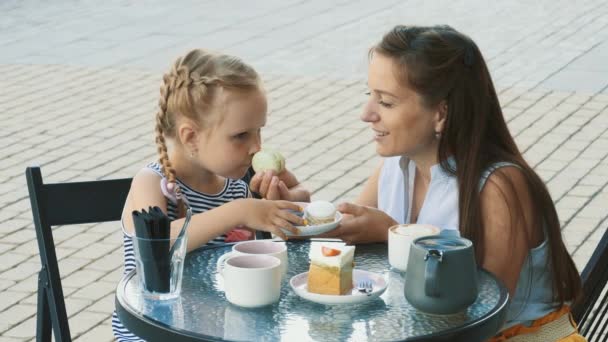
{"x":211,"y":110}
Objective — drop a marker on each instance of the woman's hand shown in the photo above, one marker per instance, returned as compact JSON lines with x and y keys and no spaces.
{"x":271,"y":216}
{"x":283,"y":186}
{"x":361,"y":224}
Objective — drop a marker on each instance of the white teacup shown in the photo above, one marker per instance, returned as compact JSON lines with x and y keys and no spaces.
{"x":258,"y":247}
{"x":252,"y":280}
{"x":400,"y":238}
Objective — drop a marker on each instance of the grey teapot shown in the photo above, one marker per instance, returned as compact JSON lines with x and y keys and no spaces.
{"x":441,"y":275}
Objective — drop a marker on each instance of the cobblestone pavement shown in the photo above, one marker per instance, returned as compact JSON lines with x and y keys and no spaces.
{"x":80,"y":79}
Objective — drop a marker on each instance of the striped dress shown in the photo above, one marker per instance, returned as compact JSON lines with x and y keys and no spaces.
{"x":199,"y":202}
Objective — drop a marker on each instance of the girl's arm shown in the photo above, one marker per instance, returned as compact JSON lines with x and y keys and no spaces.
{"x":269,"y":216}
{"x":257,"y":214}
{"x":145,"y":191}
{"x":506,"y":210}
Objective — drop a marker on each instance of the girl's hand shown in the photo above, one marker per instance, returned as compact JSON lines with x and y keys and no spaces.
{"x":272,"y":216}
{"x":269,"y":186}
{"x":283,"y":186}
{"x":361,"y":224}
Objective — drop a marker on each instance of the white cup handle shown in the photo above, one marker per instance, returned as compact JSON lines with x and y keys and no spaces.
{"x":221,"y":261}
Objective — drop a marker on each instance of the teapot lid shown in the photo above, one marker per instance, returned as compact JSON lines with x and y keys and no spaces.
{"x":443,"y":243}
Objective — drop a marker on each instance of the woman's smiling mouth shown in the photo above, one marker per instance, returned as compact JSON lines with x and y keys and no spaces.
{"x":379,"y":134}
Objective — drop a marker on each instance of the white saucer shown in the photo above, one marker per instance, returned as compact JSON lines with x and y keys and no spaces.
{"x":299,"y":285}
{"x":316,"y":229}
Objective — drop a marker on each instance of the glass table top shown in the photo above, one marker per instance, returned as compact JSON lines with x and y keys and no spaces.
{"x":202,"y":310}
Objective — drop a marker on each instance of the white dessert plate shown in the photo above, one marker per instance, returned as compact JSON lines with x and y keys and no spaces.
{"x":319,"y":228}
{"x":299,"y":285}
{"x":316,"y":229}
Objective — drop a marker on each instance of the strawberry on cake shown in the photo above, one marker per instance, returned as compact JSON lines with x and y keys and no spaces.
{"x":331,"y":268}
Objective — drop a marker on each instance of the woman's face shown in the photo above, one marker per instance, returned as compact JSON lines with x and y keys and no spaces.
{"x":402,"y":125}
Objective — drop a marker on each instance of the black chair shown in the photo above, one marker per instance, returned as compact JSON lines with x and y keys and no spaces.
{"x":590,"y":311}
{"x":65,"y":204}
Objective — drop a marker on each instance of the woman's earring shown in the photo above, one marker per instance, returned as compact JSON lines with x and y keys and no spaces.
{"x":192,"y":154}
{"x":437,"y":135}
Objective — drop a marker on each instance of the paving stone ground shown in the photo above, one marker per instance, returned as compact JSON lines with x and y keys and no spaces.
{"x":79,"y":81}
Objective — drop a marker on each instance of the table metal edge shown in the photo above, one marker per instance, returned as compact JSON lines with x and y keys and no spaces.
{"x":481,"y":329}
{"x":150,"y":329}
{"x":136,"y":323}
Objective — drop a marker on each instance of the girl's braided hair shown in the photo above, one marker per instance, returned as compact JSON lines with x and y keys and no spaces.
{"x":190,"y":90}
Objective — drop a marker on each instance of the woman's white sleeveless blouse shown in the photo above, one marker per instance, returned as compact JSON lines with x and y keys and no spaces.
{"x":395,"y":193}
{"x":533,"y":293}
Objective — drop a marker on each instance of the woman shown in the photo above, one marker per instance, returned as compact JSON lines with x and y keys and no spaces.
{"x":451,"y":161}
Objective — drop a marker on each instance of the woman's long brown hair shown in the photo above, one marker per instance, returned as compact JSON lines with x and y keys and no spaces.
{"x":444,"y":65}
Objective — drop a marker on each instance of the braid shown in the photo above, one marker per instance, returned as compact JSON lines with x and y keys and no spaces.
{"x":162,"y":120}
{"x":184,"y":79}
{"x":188,"y":91}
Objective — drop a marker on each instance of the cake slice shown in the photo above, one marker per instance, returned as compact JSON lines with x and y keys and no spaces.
{"x":331,"y":268}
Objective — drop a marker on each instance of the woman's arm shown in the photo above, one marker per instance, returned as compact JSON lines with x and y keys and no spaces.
{"x":506,"y":210}
{"x":363,"y":222}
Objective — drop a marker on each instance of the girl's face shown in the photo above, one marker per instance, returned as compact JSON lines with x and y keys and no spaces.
{"x":227,"y":146}
{"x":401,"y":124}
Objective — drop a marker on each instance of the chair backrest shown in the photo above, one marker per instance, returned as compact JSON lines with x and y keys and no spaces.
{"x":591,"y":309}
{"x":64,"y":204}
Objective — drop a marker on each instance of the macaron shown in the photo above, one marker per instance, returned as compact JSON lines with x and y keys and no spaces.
{"x":320,"y":212}
{"x":268,"y":160}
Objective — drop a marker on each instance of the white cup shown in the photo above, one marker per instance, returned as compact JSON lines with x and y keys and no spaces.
{"x":400,"y":238}
{"x":258,"y":247}
{"x":252,"y":280}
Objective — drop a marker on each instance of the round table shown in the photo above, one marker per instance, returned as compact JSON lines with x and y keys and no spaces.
{"x":202,"y":312}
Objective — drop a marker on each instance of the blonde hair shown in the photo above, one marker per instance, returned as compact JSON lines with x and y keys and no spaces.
{"x":190,"y":90}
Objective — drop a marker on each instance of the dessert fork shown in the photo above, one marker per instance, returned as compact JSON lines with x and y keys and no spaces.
{"x":365,"y":287}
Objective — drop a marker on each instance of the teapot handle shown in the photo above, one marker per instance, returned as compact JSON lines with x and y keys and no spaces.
{"x":431,"y":276}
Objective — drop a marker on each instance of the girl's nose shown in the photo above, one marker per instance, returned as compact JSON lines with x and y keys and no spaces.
{"x":257,"y":144}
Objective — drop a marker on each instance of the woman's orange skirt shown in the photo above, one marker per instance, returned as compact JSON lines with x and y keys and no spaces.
{"x":556,"y":326}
